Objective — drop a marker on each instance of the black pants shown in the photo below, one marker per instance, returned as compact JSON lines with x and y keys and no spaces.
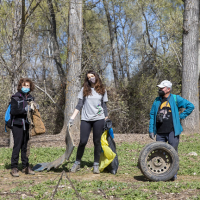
{"x":86,"y":127}
{"x":21,"y":138}
{"x":170,"y":138}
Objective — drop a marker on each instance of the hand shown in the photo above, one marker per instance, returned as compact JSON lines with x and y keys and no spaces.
{"x":106,"y":118}
{"x":71,"y":121}
{"x":151,"y":135}
{"x":28,"y":108}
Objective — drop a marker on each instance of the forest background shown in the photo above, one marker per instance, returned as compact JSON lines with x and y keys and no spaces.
{"x":132,"y":44}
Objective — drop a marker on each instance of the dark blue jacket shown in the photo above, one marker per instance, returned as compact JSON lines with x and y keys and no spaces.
{"x":18,"y":104}
{"x":175,"y":102}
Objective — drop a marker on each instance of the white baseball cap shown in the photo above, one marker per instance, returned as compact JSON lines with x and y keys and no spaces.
{"x":165,"y":83}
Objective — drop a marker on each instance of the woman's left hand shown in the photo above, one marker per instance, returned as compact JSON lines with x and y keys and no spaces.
{"x":106,"y":118}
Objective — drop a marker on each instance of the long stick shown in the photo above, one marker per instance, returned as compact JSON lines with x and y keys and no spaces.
{"x":49,"y":97}
{"x":78,"y":195}
{"x":57,"y":186}
{"x":46,"y":93}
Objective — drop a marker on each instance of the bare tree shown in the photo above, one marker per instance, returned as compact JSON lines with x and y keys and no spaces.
{"x":17,"y":61}
{"x":116,"y":36}
{"x":56,"y":50}
{"x":73,"y":83}
{"x":112,"y":42}
{"x":190,"y":62}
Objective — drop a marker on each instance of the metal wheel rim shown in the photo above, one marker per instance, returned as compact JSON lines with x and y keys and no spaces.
{"x":159,"y":161}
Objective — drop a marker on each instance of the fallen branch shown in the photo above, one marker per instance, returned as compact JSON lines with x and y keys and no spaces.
{"x":78,"y":195}
{"x":49,"y":97}
{"x":45,"y":93}
{"x":103,"y":193}
{"x":57,"y":186}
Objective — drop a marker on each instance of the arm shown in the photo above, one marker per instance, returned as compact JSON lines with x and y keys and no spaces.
{"x":151,"y":123}
{"x":74,"y":114}
{"x":77,"y":109}
{"x":105,"y":110}
{"x":184,"y":103}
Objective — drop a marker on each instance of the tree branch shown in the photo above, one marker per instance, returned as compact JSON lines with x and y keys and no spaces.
{"x":32,"y":10}
{"x":5,"y":65}
{"x":49,"y":97}
{"x":167,"y":35}
{"x":147,"y":30}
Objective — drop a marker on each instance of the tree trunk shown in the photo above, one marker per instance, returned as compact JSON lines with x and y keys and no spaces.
{"x":116,"y":37}
{"x":16,"y":47}
{"x":73,"y":82}
{"x":190,"y":63}
{"x":127,"y":61}
{"x":56,"y":50}
{"x":112,"y":42}
{"x":199,"y":57}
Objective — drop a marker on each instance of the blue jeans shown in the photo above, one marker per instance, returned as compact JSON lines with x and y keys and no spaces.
{"x":170,"y":138}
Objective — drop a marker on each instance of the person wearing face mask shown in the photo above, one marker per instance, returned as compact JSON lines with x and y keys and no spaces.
{"x":92,"y":102}
{"x":20,"y":125}
{"x":164,"y":115}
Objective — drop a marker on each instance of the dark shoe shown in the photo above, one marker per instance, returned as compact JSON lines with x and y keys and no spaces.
{"x":96,"y":168}
{"x":75,"y":167}
{"x":28,"y":170}
{"x":14,"y":172}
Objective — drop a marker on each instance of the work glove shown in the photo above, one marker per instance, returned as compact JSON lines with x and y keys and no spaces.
{"x":151,"y":135}
{"x":71,"y":121}
{"x":27,"y":108}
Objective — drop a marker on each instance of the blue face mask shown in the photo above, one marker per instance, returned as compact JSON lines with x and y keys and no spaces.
{"x":25,"y":90}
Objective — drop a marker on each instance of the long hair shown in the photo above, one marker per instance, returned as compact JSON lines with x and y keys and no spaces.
{"x":98,"y":86}
{"x":24,"y":80}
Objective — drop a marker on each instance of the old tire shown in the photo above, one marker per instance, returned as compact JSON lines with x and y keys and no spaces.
{"x":158,"y":161}
{"x":141,"y":152}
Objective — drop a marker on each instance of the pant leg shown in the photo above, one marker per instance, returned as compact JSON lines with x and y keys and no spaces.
{"x":84,"y":135}
{"x":173,"y":140}
{"x":161,"y":137}
{"x":24,"y":156}
{"x":97,"y":132}
{"x":18,"y":140}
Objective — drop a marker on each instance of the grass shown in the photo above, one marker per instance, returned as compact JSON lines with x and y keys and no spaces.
{"x":127,"y":184}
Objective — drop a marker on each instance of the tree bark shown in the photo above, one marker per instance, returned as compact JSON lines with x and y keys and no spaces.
{"x":73,"y":83}
{"x":190,"y":63}
{"x":199,"y":58}
{"x":116,"y":37}
{"x":56,"y":49}
{"x":112,"y":42}
{"x":16,"y":47}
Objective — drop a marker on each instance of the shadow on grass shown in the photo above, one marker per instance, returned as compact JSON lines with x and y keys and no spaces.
{"x":65,"y":166}
{"x":141,"y":178}
{"x":8,"y":166}
{"x":86,"y":163}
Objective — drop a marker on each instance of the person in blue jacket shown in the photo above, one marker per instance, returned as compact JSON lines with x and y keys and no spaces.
{"x":164,"y":115}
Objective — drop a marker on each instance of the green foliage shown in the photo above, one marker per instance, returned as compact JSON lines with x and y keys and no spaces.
{"x":142,"y":94}
{"x":149,"y":58}
{"x":118,"y":109}
{"x":189,"y":144}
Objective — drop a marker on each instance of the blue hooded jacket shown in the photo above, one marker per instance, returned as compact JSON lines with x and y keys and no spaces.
{"x":175,"y":105}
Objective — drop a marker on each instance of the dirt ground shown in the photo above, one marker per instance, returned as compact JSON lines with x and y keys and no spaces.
{"x":7,"y":182}
{"x":58,"y":140}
